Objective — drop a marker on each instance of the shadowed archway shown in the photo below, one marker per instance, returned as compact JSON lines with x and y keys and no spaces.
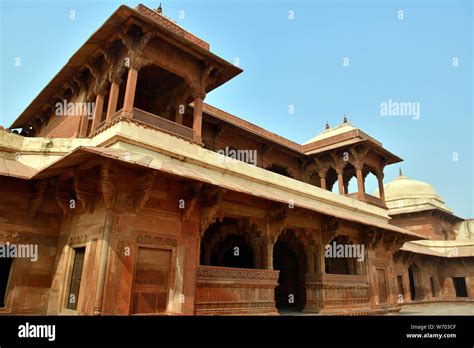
{"x":290,"y":259}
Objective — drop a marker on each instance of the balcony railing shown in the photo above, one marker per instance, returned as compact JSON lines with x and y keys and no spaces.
{"x":368,"y":199}
{"x":226,"y":290}
{"x":152,"y":120}
{"x":163,"y":124}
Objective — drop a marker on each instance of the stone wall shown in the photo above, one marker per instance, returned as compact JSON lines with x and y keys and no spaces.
{"x":22,"y":222}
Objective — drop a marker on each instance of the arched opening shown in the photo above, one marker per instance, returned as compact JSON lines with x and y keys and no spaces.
{"x":290,"y":259}
{"x":122,"y":89}
{"x":370,"y":180}
{"x":352,"y":185}
{"x":155,"y":91}
{"x":341,"y":256}
{"x":350,"y":179}
{"x":225,"y":244}
{"x":331,"y":180}
{"x":233,"y":251}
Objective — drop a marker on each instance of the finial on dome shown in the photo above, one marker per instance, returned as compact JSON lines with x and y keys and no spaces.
{"x":345,"y":119}
{"x":327,"y":125}
{"x":400,"y":172}
{"x":159,"y":9}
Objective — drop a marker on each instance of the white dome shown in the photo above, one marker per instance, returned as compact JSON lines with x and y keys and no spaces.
{"x":407,"y":195}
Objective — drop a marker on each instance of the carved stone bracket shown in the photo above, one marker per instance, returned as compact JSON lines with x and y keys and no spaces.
{"x":143,"y":188}
{"x":85,"y":188}
{"x":373,"y":238}
{"x":210,"y":206}
{"x":198,"y":86}
{"x":339,"y":163}
{"x":359,"y":156}
{"x":108,"y":172}
{"x":278,"y":219}
{"x":63,"y":192}
{"x":37,"y":196}
{"x":191,"y":197}
{"x":135,"y":48}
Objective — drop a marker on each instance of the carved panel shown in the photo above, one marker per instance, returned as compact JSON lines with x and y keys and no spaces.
{"x":157,"y":239}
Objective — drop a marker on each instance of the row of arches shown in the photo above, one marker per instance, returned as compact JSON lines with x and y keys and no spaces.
{"x":227,"y":244}
{"x":349,"y":178}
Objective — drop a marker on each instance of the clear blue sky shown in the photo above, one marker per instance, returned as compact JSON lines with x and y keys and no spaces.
{"x":298,"y":62}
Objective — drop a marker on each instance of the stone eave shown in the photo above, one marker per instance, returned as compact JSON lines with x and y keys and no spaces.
{"x":175,"y":156}
{"x":423,"y":209}
{"x":446,"y":249}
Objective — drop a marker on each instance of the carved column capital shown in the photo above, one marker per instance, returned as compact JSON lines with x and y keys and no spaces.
{"x":101,"y":86}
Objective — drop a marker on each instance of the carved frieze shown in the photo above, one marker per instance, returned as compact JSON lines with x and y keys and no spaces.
{"x":156,"y":239}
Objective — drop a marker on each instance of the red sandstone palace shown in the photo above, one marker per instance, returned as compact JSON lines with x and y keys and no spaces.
{"x":136,"y":208}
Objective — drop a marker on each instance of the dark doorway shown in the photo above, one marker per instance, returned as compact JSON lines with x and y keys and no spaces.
{"x":460,"y":286}
{"x":412,"y":283}
{"x":382,"y":285}
{"x":5,"y":269}
{"x":289,"y":258}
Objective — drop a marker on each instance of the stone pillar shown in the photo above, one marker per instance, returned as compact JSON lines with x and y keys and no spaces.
{"x":130,"y":92}
{"x":381,"y":189}
{"x":340,"y":181}
{"x":322,"y":176}
{"x":104,"y":254}
{"x":360,"y":183}
{"x":197,"y":119}
{"x":372,"y":276}
{"x":113,"y":97}
{"x":267,"y":257}
{"x":84,"y":123}
{"x":99,"y":106}
{"x":312,"y":279}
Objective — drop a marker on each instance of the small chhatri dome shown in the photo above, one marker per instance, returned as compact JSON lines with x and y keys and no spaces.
{"x":409,"y":195}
